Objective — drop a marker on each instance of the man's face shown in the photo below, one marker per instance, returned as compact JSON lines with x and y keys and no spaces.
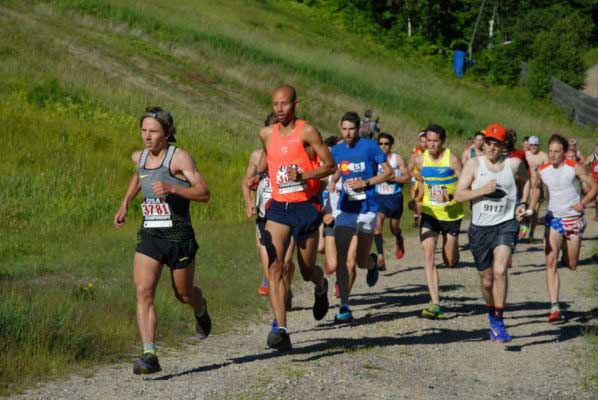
{"x":385,"y":145}
{"x":493,"y":149}
{"x":556,"y":154}
{"x":572,"y":145}
{"x":534,"y":148}
{"x":423,"y":140}
{"x":526,"y":146}
{"x":433,"y":142}
{"x":478,"y":142}
{"x":349,"y":131}
{"x":283,"y":106}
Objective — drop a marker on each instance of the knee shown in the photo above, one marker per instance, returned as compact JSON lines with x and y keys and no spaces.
{"x":276,"y":269}
{"x":487,"y":282}
{"x":499,"y":273}
{"x":144,"y":294}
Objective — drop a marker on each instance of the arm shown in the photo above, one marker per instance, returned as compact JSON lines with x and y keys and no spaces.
{"x":584,"y":177}
{"x":183,"y":163}
{"x":455,"y":164}
{"x":383,"y":177}
{"x":250,"y":174}
{"x":463,"y":192}
{"x":465,"y":157}
{"x":416,"y":163}
{"x":311,"y":136}
{"x":406,"y":176}
{"x":132,"y":190}
{"x":523,"y":181}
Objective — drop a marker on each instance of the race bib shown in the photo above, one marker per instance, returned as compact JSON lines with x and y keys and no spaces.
{"x":438,"y":195}
{"x":156,"y":213}
{"x":284,"y":185}
{"x":352,"y":194}
{"x":386,"y":188}
{"x":494,"y":207}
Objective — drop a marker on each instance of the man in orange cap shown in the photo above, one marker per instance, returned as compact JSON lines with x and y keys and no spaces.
{"x":491,"y":183}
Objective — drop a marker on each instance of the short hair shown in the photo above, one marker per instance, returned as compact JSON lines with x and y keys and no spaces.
{"x":526,"y":138}
{"x":290,"y":89}
{"x":478,"y":133}
{"x":271,"y":119}
{"x":163,"y":117}
{"x":351,"y":116}
{"x":368,"y":113}
{"x":331,"y":141}
{"x":556,"y":138}
{"x":439,"y":130}
{"x":385,"y":135}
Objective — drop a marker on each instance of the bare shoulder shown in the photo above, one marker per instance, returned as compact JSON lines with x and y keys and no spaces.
{"x":181,"y":159}
{"x":136,"y":156}
{"x":309,"y":130}
{"x":265,"y":132}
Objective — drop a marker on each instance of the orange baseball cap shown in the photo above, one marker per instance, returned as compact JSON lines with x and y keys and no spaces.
{"x":496,"y":132}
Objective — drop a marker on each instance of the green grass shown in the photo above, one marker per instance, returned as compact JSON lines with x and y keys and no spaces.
{"x":74,"y":77}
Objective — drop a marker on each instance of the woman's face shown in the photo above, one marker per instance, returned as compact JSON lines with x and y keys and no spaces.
{"x":153,"y":135}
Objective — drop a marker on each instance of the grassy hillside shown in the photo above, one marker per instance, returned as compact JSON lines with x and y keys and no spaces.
{"x":74,"y":77}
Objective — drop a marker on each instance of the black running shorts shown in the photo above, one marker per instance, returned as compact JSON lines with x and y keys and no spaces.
{"x":449,"y":227}
{"x":484,"y":239}
{"x":174,"y":253}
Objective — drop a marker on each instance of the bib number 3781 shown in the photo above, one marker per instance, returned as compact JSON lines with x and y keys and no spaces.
{"x":156,"y":213}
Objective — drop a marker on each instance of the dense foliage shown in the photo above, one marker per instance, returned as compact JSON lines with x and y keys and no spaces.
{"x":551,"y":35}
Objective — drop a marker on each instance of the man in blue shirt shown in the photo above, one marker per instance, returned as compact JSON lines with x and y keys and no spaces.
{"x":357,"y":160}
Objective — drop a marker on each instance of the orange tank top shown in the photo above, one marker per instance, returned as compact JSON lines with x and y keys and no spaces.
{"x":288,"y":152}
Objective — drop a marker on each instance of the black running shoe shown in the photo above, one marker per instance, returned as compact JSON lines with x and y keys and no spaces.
{"x":203,"y":325}
{"x":279,"y":340}
{"x":321,"y":305}
{"x":146,"y":364}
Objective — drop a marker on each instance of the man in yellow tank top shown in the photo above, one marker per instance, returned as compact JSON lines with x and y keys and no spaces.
{"x":438,"y":171}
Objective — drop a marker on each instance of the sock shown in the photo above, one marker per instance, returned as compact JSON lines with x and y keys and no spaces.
{"x":491,"y":310}
{"x":264,"y":282}
{"x":149,"y":348}
{"x":379,"y":243}
{"x":555,"y":307}
{"x":498,"y":313}
{"x":283,"y":328}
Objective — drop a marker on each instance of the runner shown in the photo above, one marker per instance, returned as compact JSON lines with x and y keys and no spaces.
{"x":389,"y":197}
{"x":573,"y":153}
{"x":169,"y":180}
{"x":357,"y":159}
{"x":476,"y":149}
{"x":592,"y":164}
{"x":439,"y":170}
{"x":525,"y":144}
{"x":263,"y":194}
{"x":296,"y":159}
{"x":535,"y":159}
{"x":490,"y":182}
{"x":564,"y":218}
{"x":417,"y":194}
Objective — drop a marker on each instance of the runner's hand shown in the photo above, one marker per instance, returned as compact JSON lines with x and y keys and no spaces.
{"x":520,"y":213}
{"x":579,"y":207}
{"x":356,"y":184}
{"x":489,"y":187}
{"x":253,"y":182}
{"x":293,"y":175}
{"x":119,"y":217}
{"x":250,"y":210}
{"x":161,"y":188}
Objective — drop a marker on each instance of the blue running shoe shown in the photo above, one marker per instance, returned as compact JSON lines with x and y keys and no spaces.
{"x":498,"y":333}
{"x":274,"y":326}
{"x":372,"y":276}
{"x":344,"y":315}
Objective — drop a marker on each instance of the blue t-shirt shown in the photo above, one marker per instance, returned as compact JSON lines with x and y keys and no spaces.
{"x":357,"y":162}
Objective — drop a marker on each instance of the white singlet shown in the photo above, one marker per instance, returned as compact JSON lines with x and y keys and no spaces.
{"x":263,"y":194}
{"x":499,"y":206}
{"x":563,"y":188}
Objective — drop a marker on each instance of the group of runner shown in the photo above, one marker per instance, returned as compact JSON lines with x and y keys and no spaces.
{"x":363,"y":185}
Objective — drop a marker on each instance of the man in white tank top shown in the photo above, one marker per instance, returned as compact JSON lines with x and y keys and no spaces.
{"x":564,"y":218}
{"x":491,"y":183}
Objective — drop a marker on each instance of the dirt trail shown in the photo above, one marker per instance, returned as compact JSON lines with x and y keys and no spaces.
{"x":389,"y":352}
{"x":591,"y":85}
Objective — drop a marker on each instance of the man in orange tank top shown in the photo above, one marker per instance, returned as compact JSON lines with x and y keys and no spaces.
{"x":297,"y":159}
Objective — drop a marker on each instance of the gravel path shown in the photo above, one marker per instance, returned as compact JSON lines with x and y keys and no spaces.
{"x":389,"y":352}
{"x":591,"y":85}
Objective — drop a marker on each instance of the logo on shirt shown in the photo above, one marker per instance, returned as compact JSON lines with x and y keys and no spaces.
{"x":284,"y":150}
{"x":346,"y":167}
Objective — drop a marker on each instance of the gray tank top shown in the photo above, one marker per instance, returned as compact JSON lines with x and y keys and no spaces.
{"x":163,"y":216}
{"x":499,"y":206}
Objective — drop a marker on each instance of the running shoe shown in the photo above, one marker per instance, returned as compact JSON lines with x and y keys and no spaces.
{"x":372,"y":275}
{"x":289,"y":300}
{"x":203,"y":325}
{"x":337,"y":291}
{"x":523,"y":230}
{"x":400,"y":248}
{"x":274,"y":326}
{"x":433,"y":312}
{"x":381,"y":264}
{"x":263,"y":291}
{"x":498,"y":333}
{"x":321,"y":305}
{"x":146,"y":364}
{"x":344,"y":316}
{"x":279,"y":340}
{"x":555,"y":317}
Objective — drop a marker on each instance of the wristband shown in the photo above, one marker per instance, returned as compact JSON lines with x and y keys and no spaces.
{"x":529,"y":212}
